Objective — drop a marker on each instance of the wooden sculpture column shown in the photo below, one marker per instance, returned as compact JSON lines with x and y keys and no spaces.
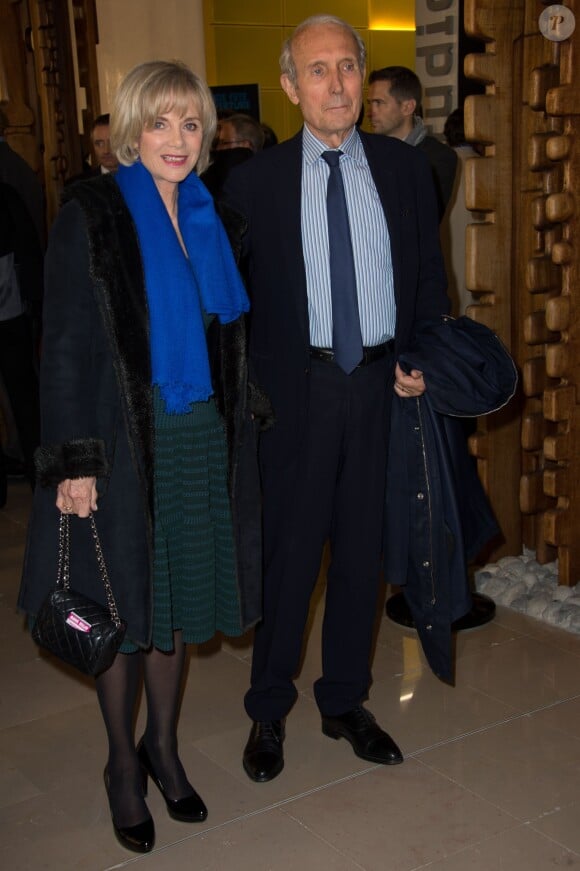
{"x":523,"y":266}
{"x":490,"y":262}
{"x":561,"y":475}
{"x":51,"y":38}
{"x":16,"y":93}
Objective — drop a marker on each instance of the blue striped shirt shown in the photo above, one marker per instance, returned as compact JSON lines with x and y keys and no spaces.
{"x":370,"y":243}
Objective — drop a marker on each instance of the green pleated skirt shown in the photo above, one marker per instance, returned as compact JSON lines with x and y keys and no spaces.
{"x":194,"y":577}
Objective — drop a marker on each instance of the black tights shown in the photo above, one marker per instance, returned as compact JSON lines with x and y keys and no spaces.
{"x":117,"y":690}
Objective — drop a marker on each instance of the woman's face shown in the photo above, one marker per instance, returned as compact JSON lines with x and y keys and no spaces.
{"x":170,"y":148}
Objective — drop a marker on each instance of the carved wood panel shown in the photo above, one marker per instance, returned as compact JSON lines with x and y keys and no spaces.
{"x":87,"y":38}
{"x":17,"y":87}
{"x":523,"y":266}
{"x":37,"y":85}
{"x":490,"y":272}
{"x":51,"y":35}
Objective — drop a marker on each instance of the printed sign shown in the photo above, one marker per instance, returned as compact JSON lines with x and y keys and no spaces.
{"x":237,"y":98}
{"x":437,"y":59}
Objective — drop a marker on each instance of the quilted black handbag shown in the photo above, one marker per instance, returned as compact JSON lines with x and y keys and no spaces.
{"x":78,"y":630}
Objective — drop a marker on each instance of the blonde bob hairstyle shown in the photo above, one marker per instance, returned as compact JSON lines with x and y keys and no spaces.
{"x":152,"y":89}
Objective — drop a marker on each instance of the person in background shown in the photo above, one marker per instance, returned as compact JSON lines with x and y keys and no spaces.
{"x":239,"y":131}
{"x":394,"y":105}
{"x":330,"y":374}
{"x":21,"y":261}
{"x":143,"y":376}
{"x":238,"y":138}
{"x":270,"y":137}
{"x":17,"y":173}
{"x":105,"y":158}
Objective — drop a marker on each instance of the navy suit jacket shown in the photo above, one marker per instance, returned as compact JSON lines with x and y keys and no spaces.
{"x":267,"y":191}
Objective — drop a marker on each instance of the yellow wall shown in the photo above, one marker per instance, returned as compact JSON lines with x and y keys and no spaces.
{"x":142,"y":30}
{"x":243,"y":42}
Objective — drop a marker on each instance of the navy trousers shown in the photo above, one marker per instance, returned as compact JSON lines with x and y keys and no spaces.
{"x":333,"y":488}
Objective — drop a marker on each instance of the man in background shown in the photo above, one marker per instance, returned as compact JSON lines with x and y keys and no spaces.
{"x":17,"y":173}
{"x":238,"y":138}
{"x":239,"y":131}
{"x":21,"y":264}
{"x":394,"y":104}
{"x":106,"y":161}
{"x":22,"y":240}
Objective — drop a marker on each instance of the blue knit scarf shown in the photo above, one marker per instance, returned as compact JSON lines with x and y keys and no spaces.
{"x":178,"y":288}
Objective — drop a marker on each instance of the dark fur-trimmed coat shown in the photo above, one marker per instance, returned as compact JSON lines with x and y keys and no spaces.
{"x":97,"y":413}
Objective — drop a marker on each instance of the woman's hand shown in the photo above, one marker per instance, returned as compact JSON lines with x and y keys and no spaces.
{"x":77,"y":496}
{"x":408,"y":385}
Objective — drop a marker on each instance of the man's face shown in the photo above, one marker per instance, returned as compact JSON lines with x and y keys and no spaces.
{"x":102,"y":147}
{"x":386,"y":114}
{"x":329,"y":81}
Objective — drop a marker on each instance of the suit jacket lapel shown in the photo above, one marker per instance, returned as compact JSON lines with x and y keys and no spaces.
{"x":290,"y":208}
{"x":385,"y":178}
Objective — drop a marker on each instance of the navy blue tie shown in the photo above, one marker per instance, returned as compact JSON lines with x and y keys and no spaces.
{"x":346,"y":334}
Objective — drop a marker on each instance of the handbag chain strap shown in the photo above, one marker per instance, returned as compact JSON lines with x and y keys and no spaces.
{"x":63,"y":578}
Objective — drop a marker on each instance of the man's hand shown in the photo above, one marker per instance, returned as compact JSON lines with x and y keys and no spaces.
{"x":408,"y":385}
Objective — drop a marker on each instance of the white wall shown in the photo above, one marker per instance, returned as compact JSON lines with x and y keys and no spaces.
{"x":134,"y":31}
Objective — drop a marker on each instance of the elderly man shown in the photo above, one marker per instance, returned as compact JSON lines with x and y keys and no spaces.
{"x":342,"y":257}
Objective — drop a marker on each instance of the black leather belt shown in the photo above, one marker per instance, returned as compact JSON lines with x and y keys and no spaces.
{"x":370,"y":355}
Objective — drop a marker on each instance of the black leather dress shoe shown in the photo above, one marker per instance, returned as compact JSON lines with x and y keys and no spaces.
{"x":190,"y":809}
{"x":139,"y":838}
{"x":368,"y":740}
{"x":263,"y":754}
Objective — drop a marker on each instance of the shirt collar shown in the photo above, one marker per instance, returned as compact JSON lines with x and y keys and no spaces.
{"x":418,"y":132}
{"x":312,"y":147}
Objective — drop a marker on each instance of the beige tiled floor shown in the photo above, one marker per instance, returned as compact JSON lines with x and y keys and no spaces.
{"x":491,"y":780}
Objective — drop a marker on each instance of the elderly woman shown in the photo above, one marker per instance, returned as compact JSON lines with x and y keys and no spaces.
{"x":145,"y":418}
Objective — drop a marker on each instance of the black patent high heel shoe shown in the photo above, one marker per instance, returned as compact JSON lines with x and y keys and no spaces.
{"x":139,"y":838}
{"x":190,"y":809}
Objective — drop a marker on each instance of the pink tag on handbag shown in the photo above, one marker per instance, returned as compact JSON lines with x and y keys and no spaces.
{"x":78,"y":623}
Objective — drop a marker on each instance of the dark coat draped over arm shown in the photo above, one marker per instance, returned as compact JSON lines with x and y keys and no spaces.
{"x":437,"y":515}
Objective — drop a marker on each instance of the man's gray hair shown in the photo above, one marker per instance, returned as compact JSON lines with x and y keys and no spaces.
{"x":247,"y":128}
{"x":287,"y":65}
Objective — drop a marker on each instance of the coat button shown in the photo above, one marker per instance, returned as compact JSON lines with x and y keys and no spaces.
{"x":420,"y":496}
{"x":426,"y":563}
